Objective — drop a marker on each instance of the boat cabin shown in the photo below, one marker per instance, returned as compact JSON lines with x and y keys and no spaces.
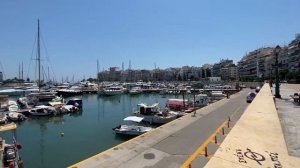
{"x":145,"y":109}
{"x":75,"y":102}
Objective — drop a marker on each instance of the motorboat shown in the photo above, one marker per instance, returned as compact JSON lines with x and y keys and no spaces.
{"x":11,"y":92}
{"x":3,"y":118}
{"x":135,"y":91}
{"x":113,"y":90}
{"x":178,"y":104}
{"x":132,"y":129}
{"x":41,"y":97}
{"x":12,"y":106}
{"x":75,"y":102}
{"x":164,"y":91}
{"x":201,"y":100}
{"x":10,"y":152}
{"x":72,"y":91}
{"x":62,"y":108}
{"x":42,"y":110}
{"x":3,"y":103}
{"x":68,"y":109}
{"x":153,"y":114}
{"x":217,"y":95}
{"x":14,"y":116}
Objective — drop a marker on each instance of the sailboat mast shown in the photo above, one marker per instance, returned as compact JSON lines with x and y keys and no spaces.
{"x":98,"y":74}
{"x":39,"y":55}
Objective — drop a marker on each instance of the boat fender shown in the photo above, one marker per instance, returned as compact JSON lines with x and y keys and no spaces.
{"x":19,"y":146}
{"x":11,"y":164}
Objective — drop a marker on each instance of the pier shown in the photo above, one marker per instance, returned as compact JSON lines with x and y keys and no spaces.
{"x":257,"y":133}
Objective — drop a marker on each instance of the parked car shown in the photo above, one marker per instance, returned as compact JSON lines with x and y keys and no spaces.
{"x":257,"y":89}
{"x":250,"y":97}
{"x":252,"y":87}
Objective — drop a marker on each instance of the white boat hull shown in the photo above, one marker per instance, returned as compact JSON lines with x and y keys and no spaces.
{"x":131,"y":130}
{"x":112,"y":93}
{"x":158,"y":119}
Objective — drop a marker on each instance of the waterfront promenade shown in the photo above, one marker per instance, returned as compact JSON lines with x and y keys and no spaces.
{"x":289,"y":115}
{"x":257,"y":139}
{"x":171,"y":144}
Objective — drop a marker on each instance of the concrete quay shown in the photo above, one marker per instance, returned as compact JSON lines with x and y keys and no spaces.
{"x":258,"y":139}
{"x":170,"y":145}
{"x":289,"y":115}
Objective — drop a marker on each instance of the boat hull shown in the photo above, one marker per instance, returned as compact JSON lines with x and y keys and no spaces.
{"x":112,"y":93}
{"x":131,"y":130}
{"x":157,"y":119}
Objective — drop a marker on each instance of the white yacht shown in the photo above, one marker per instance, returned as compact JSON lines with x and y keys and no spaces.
{"x":42,"y":110}
{"x":135,"y":90}
{"x":153,"y":114}
{"x":74,"y":90}
{"x":114,"y":90}
{"x":133,"y":128}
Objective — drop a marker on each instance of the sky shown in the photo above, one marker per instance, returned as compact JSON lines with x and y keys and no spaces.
{"x":166,"y":33}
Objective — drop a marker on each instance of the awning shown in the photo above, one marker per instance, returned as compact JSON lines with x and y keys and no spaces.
{"x":174,"y":104}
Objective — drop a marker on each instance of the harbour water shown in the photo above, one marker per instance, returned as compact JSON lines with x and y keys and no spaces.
{"x":59,"y":141}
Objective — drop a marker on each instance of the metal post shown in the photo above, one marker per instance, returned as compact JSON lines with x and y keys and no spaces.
{"x":205,"y":152}
{"x":194,"y":104}
{"x":216,"y":141}
{"x":277,"y":91}
{"x":183,"y":100}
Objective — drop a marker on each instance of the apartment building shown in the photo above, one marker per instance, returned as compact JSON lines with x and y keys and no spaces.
{"x":256,"y":64}
{"x":294,"y":55}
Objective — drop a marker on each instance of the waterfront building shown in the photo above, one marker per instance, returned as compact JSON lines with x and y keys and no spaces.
{"x":206,"y":71}
{"x":256,"y":64}
{"x":214,"y":79}
{"x":294,"y":55}
{"x":216,"y":68}
{"x":229,"y":72}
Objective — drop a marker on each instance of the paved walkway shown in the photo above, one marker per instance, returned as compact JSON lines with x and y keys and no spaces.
{"x":171,"y":144}
{"x":257,"y":138}
{"x":289,"y":115}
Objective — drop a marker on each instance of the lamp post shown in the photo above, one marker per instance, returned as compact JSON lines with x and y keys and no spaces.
{"x":276,"y":51}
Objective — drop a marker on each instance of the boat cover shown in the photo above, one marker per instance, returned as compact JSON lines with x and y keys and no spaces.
{"x":133,"y":118}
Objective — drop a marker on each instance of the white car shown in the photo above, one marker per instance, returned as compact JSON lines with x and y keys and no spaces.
{"x":250,"y":97}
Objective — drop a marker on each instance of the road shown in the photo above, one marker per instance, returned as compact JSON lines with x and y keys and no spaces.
{"x":184,"y":142}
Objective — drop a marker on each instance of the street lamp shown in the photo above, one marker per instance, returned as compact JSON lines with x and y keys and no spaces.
{"x":276,"y":51}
